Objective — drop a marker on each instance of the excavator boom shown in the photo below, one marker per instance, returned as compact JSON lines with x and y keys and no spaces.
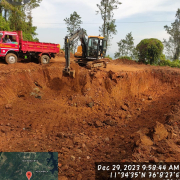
{"x":79,"y":33}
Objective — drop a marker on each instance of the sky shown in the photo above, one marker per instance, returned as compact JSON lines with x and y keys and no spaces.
{"x":135,"y":16}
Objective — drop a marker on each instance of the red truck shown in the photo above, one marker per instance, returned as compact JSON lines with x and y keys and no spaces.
{"x":13,"y":47}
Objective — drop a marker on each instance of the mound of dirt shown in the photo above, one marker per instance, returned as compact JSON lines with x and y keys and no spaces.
{"x":62,"y":54}
{"x":125,"y":61}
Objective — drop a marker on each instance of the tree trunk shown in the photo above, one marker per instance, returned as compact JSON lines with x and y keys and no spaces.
{"x":177,"y":53}
{"x":5,"y":14}
{"x":0,"y":10}
{"x":104,"y":20}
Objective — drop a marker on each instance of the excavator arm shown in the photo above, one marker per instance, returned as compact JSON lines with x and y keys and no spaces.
{"x":91,"y":54}
{"x":78,"y":34}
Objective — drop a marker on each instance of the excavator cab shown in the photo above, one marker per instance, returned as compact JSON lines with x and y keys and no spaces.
{"x":97,"y":46}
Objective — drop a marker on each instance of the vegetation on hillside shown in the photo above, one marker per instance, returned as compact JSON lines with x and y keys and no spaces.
{"x":149,"y":50}
{"x":126,"y":47}
{"x":19,"y":18}
{"x":172,"y":46}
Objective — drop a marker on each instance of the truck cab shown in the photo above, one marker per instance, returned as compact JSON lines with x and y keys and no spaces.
{"x":9,"y":42}
{"x":12,"y":47}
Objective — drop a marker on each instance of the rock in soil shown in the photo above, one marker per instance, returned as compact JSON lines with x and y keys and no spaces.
{"x":98,"y":123}
{"x":63,"y":178}
{"x":91,"y":104}
{"x":79,"y":177}
{"x":150,"y":98}
{"x":109,"y":122}
{"x":8,"y":106}
{"x":160,"y":132}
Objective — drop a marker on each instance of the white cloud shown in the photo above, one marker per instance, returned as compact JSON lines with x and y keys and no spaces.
{"x":90,"y":4}
{"x":55,"y":11}
{"x":50,"y":16}
{"x":131,"y":7}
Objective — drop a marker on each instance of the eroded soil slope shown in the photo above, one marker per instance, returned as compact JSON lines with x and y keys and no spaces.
{"x":126,"y":112}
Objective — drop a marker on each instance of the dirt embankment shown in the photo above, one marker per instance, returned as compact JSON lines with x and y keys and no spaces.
{"x":109,"y":87}
{"x":112,"y":114}
{"x":62,"y":54}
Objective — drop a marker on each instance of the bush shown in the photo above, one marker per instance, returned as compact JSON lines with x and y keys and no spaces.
{"x":164,"y":63}
{"x":162,"y":57}
{"x":4,"y":25}
{"x":108,"y":57}
{"x":149,"y":50}
{"x":125,"y":57}
{"x":175,"y":63}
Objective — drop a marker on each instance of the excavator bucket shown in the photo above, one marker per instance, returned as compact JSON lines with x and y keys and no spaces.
{"x":70,"y":73}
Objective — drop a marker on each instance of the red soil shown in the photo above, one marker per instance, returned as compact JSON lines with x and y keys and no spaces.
{"x":110,"y":114}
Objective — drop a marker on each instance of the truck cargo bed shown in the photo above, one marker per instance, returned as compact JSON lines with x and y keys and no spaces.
{"x":29,"y":46}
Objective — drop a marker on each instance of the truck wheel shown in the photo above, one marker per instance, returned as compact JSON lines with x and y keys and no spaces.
{"x":11,"y":58}
{"x":44,"y":59}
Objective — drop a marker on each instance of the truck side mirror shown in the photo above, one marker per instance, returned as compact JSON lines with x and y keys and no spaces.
{"x":3,"y":40}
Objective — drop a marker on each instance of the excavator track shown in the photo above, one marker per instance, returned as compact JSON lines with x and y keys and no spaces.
{"x":91,"y":64}
{"x":95,"y":64}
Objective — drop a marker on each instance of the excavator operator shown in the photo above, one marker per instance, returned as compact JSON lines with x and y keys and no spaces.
{"x":95,"y":44}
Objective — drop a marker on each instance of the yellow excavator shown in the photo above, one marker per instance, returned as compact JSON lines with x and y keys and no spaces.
{"x":90,"y":53}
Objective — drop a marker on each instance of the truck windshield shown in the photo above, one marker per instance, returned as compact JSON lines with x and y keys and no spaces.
{"x":9,"y":39}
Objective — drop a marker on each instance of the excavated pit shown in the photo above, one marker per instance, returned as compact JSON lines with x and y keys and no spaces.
{"x":104,"y":115}
{"x":105,"y":86}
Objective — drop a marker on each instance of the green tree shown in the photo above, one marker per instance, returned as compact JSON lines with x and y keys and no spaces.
{"x":4,"y":25}
{"x":27,"y":8}
{"x":1,"y":9}
{"x":172,"y":46}
{"x":162,"y":57}
{"x":150,"y":50}
{"x":73,"y":23}
{"x":106,"y":8}
{"x":126,"y":47}
{"x":19,"y":18}
{"x":121,"y":48}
